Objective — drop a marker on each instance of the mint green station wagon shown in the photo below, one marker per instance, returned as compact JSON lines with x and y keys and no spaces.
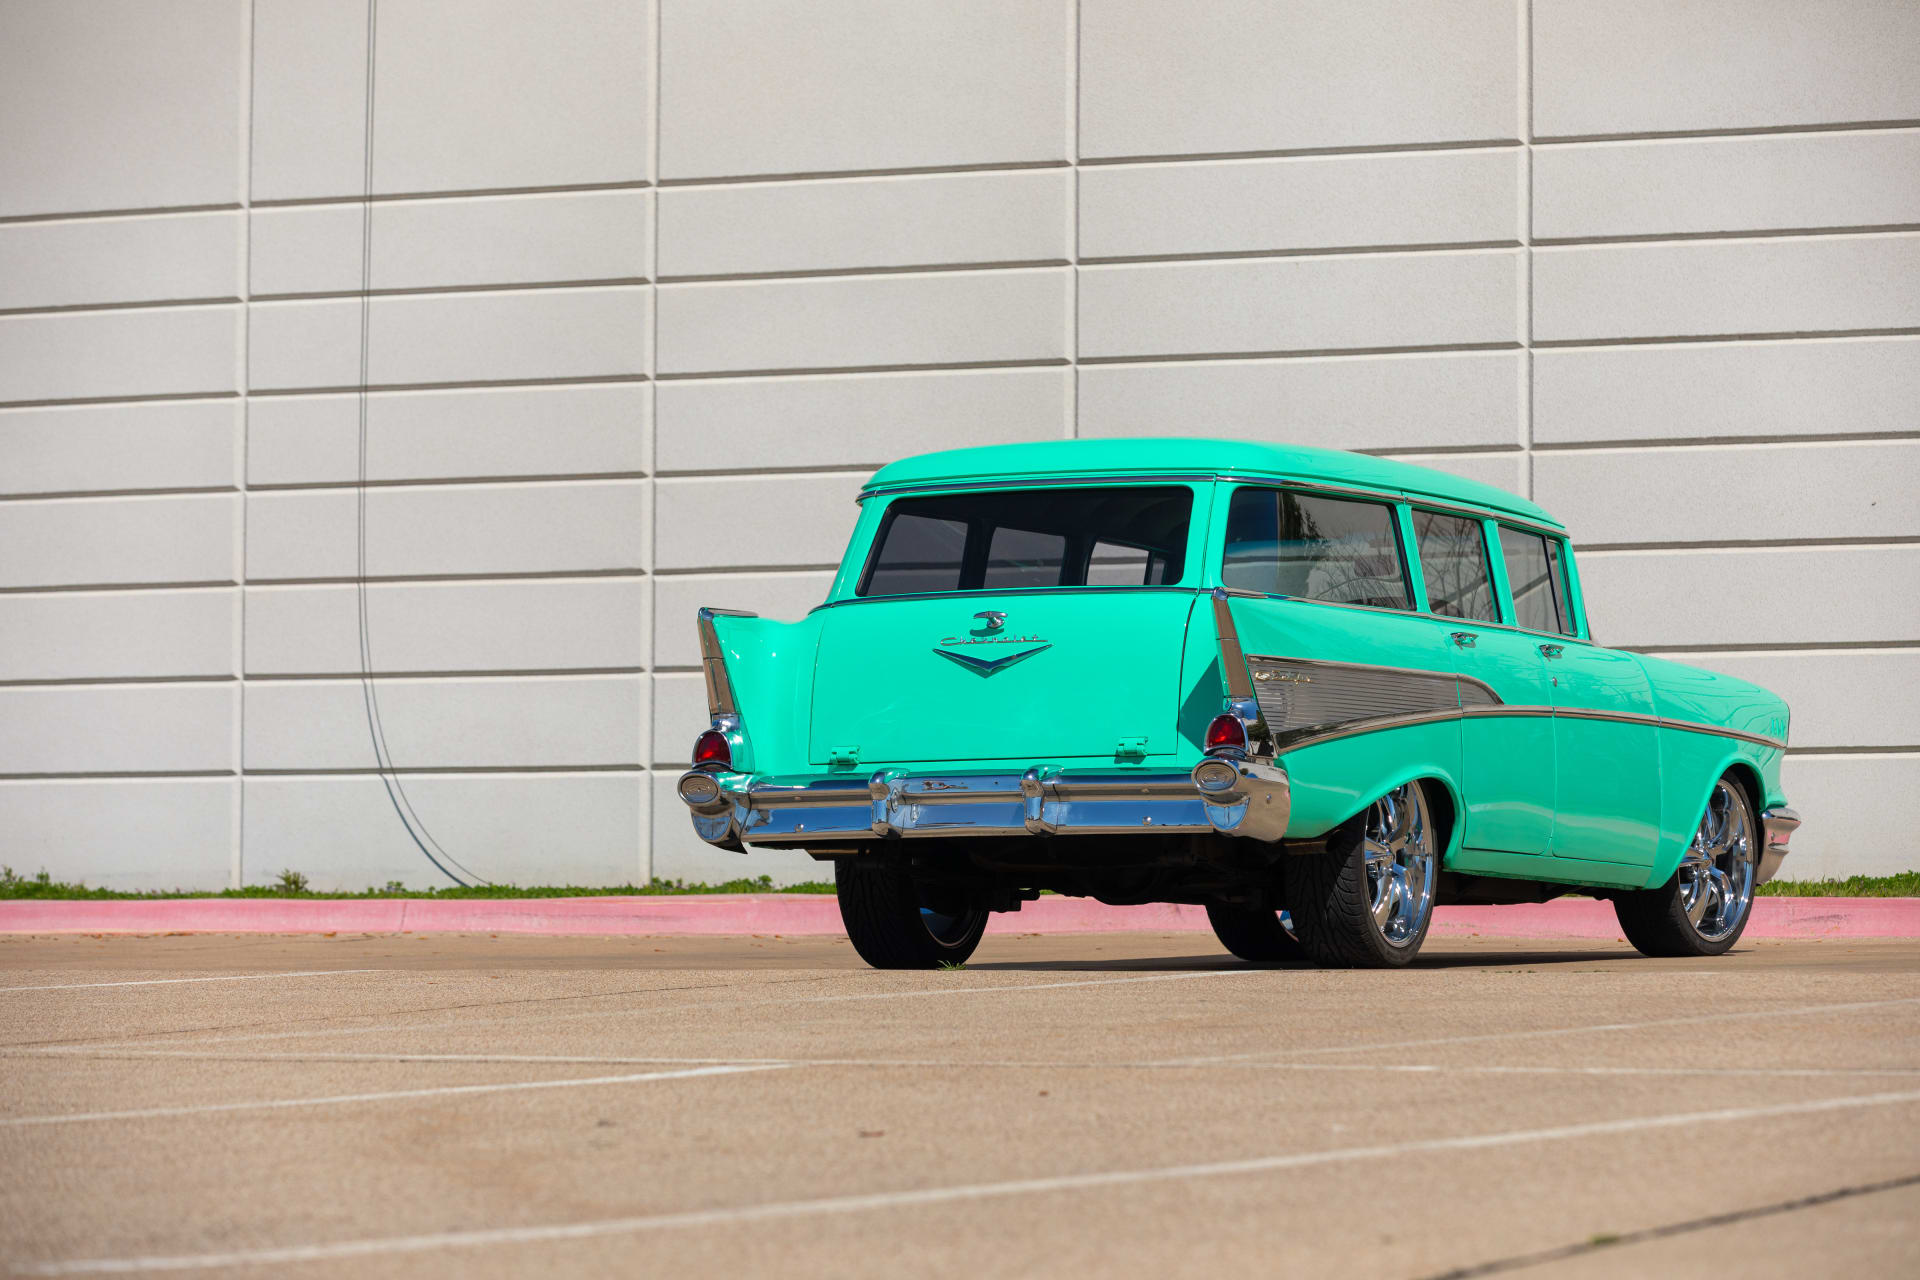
{"x":1315,"y":692}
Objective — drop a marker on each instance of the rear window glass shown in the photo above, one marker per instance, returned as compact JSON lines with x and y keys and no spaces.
{"x":1316,"y":548}
{"x":1534,"y":579}
{"x":1007,"y":539}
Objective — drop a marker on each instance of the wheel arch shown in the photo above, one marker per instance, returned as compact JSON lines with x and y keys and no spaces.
{"x":1683,"y":821}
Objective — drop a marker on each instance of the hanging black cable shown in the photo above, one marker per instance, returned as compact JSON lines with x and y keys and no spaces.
{"x":383,"y":758}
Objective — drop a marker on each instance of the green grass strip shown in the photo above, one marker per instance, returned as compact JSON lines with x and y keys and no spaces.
{"x":291,"y":884}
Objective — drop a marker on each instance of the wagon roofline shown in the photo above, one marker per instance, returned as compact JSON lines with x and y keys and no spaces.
{"x":1190,"y":458}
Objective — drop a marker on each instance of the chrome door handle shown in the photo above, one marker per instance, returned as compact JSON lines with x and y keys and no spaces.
{"x":1552,"y":650}
{"x":1465,"y":639}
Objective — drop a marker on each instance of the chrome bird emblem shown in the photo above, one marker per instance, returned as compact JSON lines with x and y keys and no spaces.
{"x":993,"y":618}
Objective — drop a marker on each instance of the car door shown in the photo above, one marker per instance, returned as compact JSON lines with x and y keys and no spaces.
{"x":1507,"y":740}
{"x":1606,"y":739}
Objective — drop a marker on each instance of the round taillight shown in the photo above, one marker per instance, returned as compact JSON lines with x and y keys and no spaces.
{"x":1226,"y":733}
{"x":712,"y":750}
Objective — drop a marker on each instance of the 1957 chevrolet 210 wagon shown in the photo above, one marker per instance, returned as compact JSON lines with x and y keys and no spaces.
{"x":1314,"y":691}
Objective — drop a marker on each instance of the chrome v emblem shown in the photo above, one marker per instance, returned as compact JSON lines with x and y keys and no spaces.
{"x":987,"y":666}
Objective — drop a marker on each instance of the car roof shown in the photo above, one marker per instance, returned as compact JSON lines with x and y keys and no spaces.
{"x":1194,"y":457}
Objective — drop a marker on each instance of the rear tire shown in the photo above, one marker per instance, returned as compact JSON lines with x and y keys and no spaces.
{"x":1366,"y":903}
{"x":1254,"y":934}
{"x":1704,"y":908}
{"x":890,"y":926}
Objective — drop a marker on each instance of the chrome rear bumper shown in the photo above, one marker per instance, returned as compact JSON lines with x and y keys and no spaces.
{"x":736,"y":809}
{"x":1777,"y":826}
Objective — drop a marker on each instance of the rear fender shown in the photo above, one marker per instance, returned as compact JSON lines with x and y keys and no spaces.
{"x":1333,"y":781}
{"x":760,"y":671}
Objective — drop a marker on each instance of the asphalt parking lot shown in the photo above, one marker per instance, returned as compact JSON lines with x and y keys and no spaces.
{"x":1097,"y":1105}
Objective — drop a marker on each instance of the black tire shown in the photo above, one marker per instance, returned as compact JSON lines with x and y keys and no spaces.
{"x":1656,"y":921}
{"x":881,"y":908}
{"x":1254,"y":934}
{"x":1330,"y":902}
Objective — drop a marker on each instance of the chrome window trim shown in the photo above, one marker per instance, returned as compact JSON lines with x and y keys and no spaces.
{"x":998,"y":592}
{"x":961,"y":485}
{"x":1378,"y":723}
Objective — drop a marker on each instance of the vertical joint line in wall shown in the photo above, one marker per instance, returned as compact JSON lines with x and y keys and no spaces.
{"x":643,"y":838}
{"x":1073,"y":228}
{"x":237,"y":870}
{"x":1526,"y":227}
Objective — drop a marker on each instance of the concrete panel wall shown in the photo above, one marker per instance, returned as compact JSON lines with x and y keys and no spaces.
{"x":655,"y":286}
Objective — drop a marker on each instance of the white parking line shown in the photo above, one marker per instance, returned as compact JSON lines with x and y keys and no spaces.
{"x":742,"y":1214}
{"x":1549,"y":1032}
{"x":252,"y":1037}
{"x":1024,"y":1064}
{"x":222,"y":977}
{"x":149,"y":1113}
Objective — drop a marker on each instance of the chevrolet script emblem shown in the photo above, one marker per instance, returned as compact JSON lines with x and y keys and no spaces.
{"x":956,"y":647}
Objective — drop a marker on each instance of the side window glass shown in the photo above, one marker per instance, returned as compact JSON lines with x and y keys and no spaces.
{"x":1453,"y":563}
{"x":1556,"y":555}
{"x":1532,"y":580}
{"x":1301,"y":544}
{"x":1111,"y":564}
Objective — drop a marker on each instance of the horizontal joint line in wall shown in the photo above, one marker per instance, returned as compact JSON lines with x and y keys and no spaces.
{"x":1388,"y":148}
{"x":690,"y":670}
{"x":475,"y":384}
{"x":1682,"y":237}
{"x":153,"y":211}
{"x":389,"y":197}
{"x":805,"y":372}
{"x":412,"y":770}
{"x":1695,"y":339}
{"x":1856,"y":126}
{"x":487,"y":673}
{"x":1807,"y":646}
{"x":838,"y":273}
{"x":829,"y":175}
{"x":1423,"y":451}
{"x":1740,"y":544}
{"x":836,"y":469}
{"x":68,"y":587}
{"x":154,"y":304}
{"x":1325,"y":251}
{"x":376,"y":580}
{"x":414,"y":291}
{"x":735,"y":569}
{"x":62,"y":495}
{"x":1712,"y":442}
{"x":1197,"y":357}
{"x":159,"y":398}
{"x":1889,"y":750}
{"x":441,"y":482}
{"x":106,"y":681}
{"x":85,"y":774}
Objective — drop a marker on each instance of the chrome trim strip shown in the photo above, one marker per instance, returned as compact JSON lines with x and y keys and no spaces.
{"x":960,"y":484}
{"x":1629,"y":717}
{"x":713,"y":660}
{"x":1374,"y":725}
{"x":1233,"y":662}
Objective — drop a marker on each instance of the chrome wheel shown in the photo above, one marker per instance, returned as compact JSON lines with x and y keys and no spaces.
{"x":1397,"y":844}
{"x":1716,"y":876}
{"x":952,"y":930}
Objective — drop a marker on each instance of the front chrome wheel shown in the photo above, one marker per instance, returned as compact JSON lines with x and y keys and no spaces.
{"x":1397,"y":843}
{"x":1716,"y":876}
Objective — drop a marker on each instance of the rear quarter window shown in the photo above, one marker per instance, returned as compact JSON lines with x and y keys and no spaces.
{"x":1313,"y":547}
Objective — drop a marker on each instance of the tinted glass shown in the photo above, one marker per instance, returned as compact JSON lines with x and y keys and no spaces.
{"x":1301,"y":544}
{"x":1453,"y":563}
{"x":1006,"y":539}
{"x":1532,"y":580}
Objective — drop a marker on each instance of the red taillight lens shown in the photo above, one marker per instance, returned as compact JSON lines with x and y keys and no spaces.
{"x":1226,"y":731}
{"x":712,"y":748}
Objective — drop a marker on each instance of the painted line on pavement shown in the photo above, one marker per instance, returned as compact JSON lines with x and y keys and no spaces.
{"x":995,"y":1064}
{"x":790,"y":1209}
{"x":256,"y":1036}
{"x":1549,"y":1032}
{"x":221,"y":977}
{"x":211,"y":1108}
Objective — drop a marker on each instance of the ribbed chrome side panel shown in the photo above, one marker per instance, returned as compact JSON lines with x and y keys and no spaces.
{"x":1301,"y":699}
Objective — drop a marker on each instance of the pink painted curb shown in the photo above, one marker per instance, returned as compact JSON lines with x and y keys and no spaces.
{"x":820,"y":914}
